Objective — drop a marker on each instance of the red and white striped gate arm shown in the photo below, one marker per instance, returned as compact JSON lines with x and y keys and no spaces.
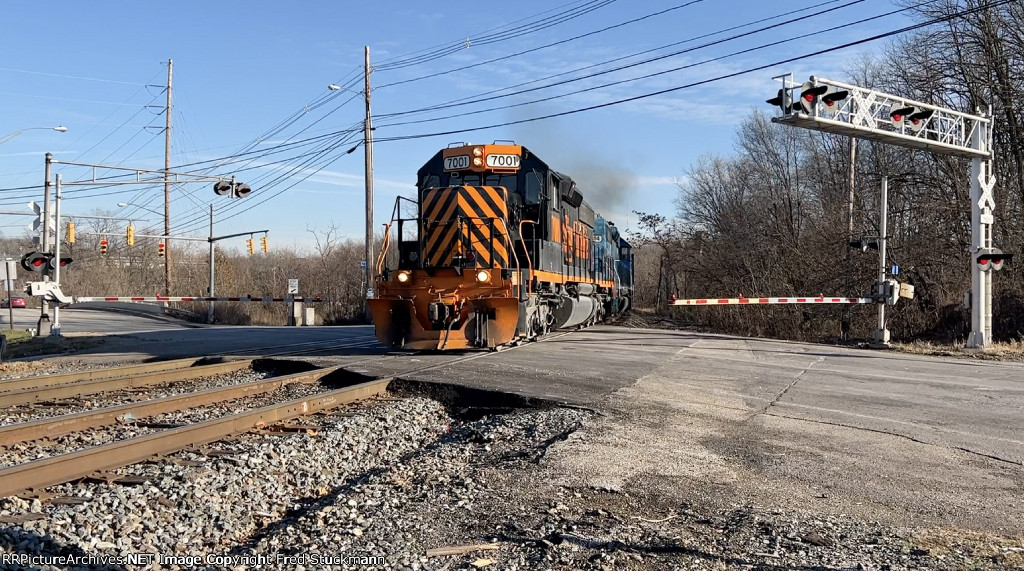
{"x":178,"y":298}
{"x":770,"y":300}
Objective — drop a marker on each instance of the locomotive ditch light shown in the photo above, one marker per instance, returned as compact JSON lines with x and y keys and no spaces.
{"x":404,"y":276}
{"x":483,"y":276}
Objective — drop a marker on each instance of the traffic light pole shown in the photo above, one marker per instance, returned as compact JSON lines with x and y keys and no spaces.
{"x":881,"y":338}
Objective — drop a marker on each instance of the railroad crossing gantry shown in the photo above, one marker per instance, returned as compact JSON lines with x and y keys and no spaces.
{"x":833,"y":107}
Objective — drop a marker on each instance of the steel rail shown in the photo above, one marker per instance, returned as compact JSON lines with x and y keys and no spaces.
{"x":66,"y":424}
{"x":66,"y":378}
{"x":94,"y":386}
{"x":46,"y":472}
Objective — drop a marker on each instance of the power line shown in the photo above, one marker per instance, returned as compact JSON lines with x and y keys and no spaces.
{"x":710,"y":80}
{"x":545,"y":46}
{"x":500,"y":34}
{"x":480,"y":98}
{"x":650,"y":75}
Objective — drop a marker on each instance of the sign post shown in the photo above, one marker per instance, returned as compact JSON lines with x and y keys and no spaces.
{"x":12,"y":274}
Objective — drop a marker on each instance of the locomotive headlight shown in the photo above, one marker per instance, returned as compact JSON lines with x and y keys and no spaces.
{"x":477,"y":151}
{"x":483,"y":275}
{"x":404,"y":277}
{"x":477,"y":161}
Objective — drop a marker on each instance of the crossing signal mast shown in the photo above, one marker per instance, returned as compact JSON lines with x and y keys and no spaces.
{"x":833,"y":107}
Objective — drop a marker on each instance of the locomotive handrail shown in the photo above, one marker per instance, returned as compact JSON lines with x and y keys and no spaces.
{"x":384,"y":247}
{"x":529,"y":263}
{"x":512,"y":246}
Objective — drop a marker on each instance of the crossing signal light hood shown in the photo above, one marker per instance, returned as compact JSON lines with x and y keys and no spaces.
{"x":34,"y":262}
{"x":809,"y":95}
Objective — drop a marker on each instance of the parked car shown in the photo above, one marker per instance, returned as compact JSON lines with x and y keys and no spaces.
{"x":13,"y":302}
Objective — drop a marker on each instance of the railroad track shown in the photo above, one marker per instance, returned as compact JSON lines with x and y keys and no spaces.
{"x":33,"y":476}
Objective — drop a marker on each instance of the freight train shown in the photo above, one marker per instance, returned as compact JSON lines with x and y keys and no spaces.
{"x":497,"y":248}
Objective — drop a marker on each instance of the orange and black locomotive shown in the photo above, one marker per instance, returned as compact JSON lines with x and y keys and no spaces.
{"x":501,"y":249}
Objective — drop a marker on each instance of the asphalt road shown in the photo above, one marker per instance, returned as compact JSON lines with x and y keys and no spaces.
{"x":694,"y":418}
{"x":74,"y":320}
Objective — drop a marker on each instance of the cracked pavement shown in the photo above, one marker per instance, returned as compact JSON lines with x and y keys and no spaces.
{"x":719,"y":421}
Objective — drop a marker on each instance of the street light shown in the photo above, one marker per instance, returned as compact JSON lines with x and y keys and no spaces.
{"x":8,"y":137}
{"x":123,"y":204}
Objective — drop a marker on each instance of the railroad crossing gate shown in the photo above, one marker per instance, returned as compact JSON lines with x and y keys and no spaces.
{"x":833,"y":107}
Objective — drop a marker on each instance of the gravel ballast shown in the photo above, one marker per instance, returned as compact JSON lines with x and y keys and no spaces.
{"x":382,"y":484}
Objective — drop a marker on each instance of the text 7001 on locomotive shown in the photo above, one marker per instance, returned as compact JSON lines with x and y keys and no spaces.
{"x":501,"y":249}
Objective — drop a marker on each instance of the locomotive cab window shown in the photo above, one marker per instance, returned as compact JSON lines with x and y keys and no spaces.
{"x":534,"y":187}
{"x":506,"y":180}
{"x":471,"y":179}
{"x":430,"y":181}
{"x":554,"y":191}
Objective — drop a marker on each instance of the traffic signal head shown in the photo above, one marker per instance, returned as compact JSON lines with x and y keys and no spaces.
{"x":919,"y":118}
{"x":222,"y":187}
{"x":34,"y":262}
{"x":52,"y":263}
{"x":831,"y":99}
{"x":249,"y":246}
{"x":235,"y":189}
{"x":103,"y":246}
{"x":863,"y":244}
{"x":160,"y":249}
{"x":70,"y":233}
{"x":809,"y":95}
{"x":993,"y":259}
{"x":129,"y":235}
{"x":264,"y":244}
{"x":784,"y":100}
{"x":899,"y":113}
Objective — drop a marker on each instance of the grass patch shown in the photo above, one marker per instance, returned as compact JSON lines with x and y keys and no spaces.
{"x":20,"y":343}
{"x":1008,"y":351}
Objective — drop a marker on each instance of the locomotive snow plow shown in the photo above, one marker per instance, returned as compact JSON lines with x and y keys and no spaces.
{"x":446,"y":310}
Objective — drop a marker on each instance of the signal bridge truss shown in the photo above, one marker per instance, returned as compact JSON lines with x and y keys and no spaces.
{"x":868,"y":114}
{"x":835,"y":107}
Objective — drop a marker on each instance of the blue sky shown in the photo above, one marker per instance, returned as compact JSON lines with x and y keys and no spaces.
{"x":241,"y":69}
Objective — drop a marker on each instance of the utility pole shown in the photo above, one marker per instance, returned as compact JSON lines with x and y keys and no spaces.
{"x":167,"y":182}
{"x":368,"y":150}
{"x":847,"y":319}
